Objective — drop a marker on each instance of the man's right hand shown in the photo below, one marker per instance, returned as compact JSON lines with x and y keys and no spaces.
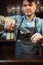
{"x":9,"y":24}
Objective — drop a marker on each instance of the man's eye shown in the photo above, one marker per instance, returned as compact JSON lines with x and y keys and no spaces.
{"x":24,"y":5}
{"x":30,"y":4}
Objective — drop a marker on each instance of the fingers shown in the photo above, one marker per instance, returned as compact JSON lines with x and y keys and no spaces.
{"x":36,"y":37}
{"x":9,"y":23}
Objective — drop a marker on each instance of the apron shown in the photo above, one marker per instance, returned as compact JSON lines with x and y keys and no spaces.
{"x":24,"y":44}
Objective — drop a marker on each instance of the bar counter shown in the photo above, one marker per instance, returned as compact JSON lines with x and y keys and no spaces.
{"x":7,"y":54}
{"x":24,"y":58}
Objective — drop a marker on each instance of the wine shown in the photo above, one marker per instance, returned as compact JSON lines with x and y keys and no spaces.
{"x":26,"y":35}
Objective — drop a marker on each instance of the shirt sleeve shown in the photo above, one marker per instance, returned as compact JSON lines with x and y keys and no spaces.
{"x":42,"y":26}
{"x":13,"y":17}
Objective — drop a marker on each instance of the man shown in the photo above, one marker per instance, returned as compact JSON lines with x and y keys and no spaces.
{"x":29,"y":20}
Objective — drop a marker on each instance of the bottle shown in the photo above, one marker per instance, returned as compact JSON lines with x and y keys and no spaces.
{"x":8,"y":35}
{"x":12,"y":35}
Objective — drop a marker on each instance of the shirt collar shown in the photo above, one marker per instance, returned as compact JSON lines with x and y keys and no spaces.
{"x":30,"y":20}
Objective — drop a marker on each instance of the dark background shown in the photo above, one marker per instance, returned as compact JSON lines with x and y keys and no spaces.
{"x":5,"y":3}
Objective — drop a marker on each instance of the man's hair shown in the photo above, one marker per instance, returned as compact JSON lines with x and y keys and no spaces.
{"x":36,"y":1}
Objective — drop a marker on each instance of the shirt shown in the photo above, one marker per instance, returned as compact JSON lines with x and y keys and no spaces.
{"x":30,"y":23}
{"x":25,"y":23}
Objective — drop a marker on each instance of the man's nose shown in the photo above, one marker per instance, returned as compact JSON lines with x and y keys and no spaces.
{"x":28,"y":7}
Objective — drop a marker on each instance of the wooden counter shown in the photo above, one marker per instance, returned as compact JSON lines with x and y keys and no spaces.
{"x":7,"y":47}
{"x":26,"y":59}
{"x":7,"y":55}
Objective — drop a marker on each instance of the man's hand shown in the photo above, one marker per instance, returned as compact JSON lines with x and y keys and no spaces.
{"x":9,"y":24}
{"x":36,"y":37}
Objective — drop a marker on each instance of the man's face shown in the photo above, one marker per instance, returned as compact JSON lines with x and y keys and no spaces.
{"x":28,"y":8}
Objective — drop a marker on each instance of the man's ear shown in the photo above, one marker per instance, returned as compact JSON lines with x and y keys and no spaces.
{"x":38,"y":6}
{"x":22,"y":9}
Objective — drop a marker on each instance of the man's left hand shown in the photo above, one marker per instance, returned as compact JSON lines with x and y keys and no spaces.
{"x":36,"y":37}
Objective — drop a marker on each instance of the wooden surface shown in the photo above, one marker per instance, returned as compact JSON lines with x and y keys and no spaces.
{"x":25,"y":58}
{"x":7,"y":55}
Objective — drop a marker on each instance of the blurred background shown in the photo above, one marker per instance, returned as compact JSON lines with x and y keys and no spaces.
{"x":12,"y":7}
